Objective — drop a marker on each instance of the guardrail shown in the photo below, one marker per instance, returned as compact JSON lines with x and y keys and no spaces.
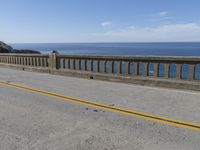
{"x":181,"y":68}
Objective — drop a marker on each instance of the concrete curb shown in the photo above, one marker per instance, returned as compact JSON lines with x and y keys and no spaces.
{"x":155,"y":82}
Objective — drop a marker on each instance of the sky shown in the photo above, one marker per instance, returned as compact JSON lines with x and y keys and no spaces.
{"x":60,"y":21}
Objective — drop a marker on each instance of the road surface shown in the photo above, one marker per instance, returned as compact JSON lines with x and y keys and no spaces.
{"x":32,"y":121}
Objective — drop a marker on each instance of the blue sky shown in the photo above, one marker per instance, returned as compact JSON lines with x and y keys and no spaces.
{"x":30,"y":21}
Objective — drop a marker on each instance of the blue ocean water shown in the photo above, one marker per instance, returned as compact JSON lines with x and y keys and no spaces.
{"x":162,"y":49}
{"x":157,"y":49}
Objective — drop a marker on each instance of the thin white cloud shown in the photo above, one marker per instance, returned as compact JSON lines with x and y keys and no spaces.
{"x":106,"y":24}
{"x":163,"y":13}
{"x":168,"y":32}
{"x":131,"y":27}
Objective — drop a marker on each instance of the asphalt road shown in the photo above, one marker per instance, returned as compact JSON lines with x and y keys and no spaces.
{"x":30,"y":121}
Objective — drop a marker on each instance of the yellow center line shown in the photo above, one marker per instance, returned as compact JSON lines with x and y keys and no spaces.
{"x":120,"y":110}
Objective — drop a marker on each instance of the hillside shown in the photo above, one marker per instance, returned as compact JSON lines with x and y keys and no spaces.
{"x":5,"y":48}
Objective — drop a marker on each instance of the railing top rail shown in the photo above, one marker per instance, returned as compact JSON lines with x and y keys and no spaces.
{"x":136,"y":58}
{"x":29,"y":55}
{"x":131,"y":58}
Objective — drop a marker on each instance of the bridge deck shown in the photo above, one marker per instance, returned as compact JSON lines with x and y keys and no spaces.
{"x":29,"y":120}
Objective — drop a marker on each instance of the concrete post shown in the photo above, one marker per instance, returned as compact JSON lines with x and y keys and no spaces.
{"x":52,"y":61}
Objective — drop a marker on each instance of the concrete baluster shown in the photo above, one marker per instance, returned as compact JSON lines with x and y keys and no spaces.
{"x":111,"y":66}
{"x":91,"y":65}
{"x":119,"y":70}
{"x":97,"y":66}
{"x":156,"y":70}
{"x":11,"y":60}
{"x":136,"y":68}
{"x":74,"y":64}
{"x":44,"y":62}
{"x":24,"y":59}
{"x":37,"y":62}
{"x":28,"y":61}
{"x":192,"y":68}
{"x":21,"y":61}
{"x":62,"y":63}
{"x":31,"y":61}
{"x":41,"y":61}
{"x":127,"y":68}
{"x":85,"y":65}
{"x":6,"y":59}
{"x":104,"y":66}
{"x":79,"y":64}
{"x":166,"y":70}
{"x":145,"y":69}
{"x":34,"y":61}
{"x":178,"y":71}
{"x":15,"y":59}
{"x":68,"y":63}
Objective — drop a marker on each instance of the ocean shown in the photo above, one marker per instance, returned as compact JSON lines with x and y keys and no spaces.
{"x":156,"y":49}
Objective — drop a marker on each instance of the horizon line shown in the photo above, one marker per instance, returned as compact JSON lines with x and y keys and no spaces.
{"x":100,"y":42}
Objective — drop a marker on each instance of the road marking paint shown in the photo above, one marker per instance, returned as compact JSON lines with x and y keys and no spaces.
{"x":124,"y":111}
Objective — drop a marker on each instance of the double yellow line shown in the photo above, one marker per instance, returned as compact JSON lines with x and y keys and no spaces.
{"x":119,"y":110}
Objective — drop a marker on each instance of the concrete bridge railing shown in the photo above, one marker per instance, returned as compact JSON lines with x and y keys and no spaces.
{"x":129,"y":67}
{"x":25,"y":60}
{"x":133,"y":66}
